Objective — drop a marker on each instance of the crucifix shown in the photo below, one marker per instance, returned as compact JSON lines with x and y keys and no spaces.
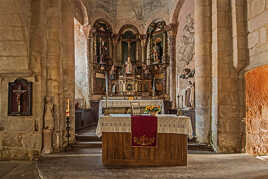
{"x":18,"y":93}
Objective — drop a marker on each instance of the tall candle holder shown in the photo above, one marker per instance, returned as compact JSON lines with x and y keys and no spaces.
{"x":68,"y":122}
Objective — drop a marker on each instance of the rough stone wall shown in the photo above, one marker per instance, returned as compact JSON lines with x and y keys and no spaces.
{"x":258,"y":32}
{"x":185,"y":43}
{"x":257,"y":111}
{"x":14,"y":35}
{"x":20,"y":137}
{"x":37,"y":44}
{"x":81,"y":65}
{"x":257,"y":20}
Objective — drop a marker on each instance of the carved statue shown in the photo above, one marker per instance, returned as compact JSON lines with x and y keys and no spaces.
{"x":189,"y":95}
{"x":157,"y":51}
{"x":128,"y":66}
{"x":49,"y":117}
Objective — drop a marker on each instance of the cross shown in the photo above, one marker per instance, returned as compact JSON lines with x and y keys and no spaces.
{"x":18,"y":92}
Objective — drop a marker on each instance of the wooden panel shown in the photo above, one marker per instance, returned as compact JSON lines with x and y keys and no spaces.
{"x":171,"y":150}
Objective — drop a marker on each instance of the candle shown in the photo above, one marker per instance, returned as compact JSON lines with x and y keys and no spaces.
{"x":68,"y":108}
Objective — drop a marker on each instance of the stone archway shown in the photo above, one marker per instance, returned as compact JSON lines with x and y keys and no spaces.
{"x":257,"y":110}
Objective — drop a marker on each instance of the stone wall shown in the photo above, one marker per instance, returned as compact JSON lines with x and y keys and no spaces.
{"x":258,"y":32}
{"x":20,"y":137}
{"x":227,"y":109}
{"x":256,"y":88}
{"x":81,"y":65}
{"x":257,"y":111}
{"x":14,"y":35}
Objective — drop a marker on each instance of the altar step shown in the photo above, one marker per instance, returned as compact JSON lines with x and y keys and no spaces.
{"x":95,"y":142}
{"x":92,"y":144}
{"x":87,"y":138}
{"x":200,"y":147}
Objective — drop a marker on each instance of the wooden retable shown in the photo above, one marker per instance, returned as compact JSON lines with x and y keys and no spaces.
{"x":117,"y":150}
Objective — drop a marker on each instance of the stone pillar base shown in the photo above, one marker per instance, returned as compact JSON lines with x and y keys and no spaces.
{"x":47,"y":141}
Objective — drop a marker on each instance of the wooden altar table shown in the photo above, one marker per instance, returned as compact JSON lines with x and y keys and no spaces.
{"x":170,"y":149}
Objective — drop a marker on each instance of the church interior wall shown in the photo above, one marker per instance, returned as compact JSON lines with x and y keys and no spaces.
{"x":257,"y":33}
{"x":20,"y":137}
{"x":256,"y":76}
{"x":81,"y":66}
{"x":257,"y":111}
{"x":185,"y":47}
{"x":37,"y":44}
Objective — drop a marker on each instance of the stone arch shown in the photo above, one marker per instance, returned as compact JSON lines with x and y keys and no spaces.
{"x":103,"y":21}
{"x":128,"y":27}
{"x":80,"y":10}
{"x":176,"y":12}
{"x":101,"y":16}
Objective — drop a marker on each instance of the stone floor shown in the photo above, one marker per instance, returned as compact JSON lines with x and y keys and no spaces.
{"x":83,"y":165}
{"x":90,"y":131}
{"x":86,"y":163}
{"x":18,"y":170}
{"x":200,"y":166}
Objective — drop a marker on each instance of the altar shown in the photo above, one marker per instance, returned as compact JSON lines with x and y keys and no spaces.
{"x":124,"y":106}
{"x":170,"y":148}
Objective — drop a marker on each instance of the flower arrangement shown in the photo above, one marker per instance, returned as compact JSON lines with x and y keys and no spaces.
{"x":152,"y":109}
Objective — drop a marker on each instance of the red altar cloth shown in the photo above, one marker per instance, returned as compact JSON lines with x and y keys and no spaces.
{"x":143,"y":130}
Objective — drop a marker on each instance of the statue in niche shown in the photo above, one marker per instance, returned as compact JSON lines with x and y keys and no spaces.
{"x":128,"y":66}
{"x":49,"y":117}
{"x":112,"y":73}
{"x":157,"y":50}
{"x":104,"y":50}
{"x":113,"y":88}
{"x":189,"y":96}
{"x":145,"y":70}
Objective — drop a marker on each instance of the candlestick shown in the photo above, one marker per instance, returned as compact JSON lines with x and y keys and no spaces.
{"x":68,"y":108}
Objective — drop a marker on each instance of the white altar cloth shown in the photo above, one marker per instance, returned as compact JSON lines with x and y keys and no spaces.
{"x":166,"y":123}
{"x":127,"y":103}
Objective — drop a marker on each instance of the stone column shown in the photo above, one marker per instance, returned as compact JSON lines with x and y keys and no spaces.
{"x":203,"y":39}
{"x":90,"y":66}
{"x":143,"y":41}
{"x":172,"y":66}
{"x":53,"y":72}
{"x":226,"y":119}
{"x":68,"y":66}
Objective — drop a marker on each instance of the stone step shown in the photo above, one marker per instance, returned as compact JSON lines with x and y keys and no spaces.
{"x":87,"y":138}
{"x":200,"y":147}
{"x":95,"y":144}
{"x":98,"y":144}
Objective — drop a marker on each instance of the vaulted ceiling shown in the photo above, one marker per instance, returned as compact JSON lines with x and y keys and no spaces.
{"x":137,"y":12}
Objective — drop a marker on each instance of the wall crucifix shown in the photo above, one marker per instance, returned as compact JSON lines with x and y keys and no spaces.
{"x":20,"y":98}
